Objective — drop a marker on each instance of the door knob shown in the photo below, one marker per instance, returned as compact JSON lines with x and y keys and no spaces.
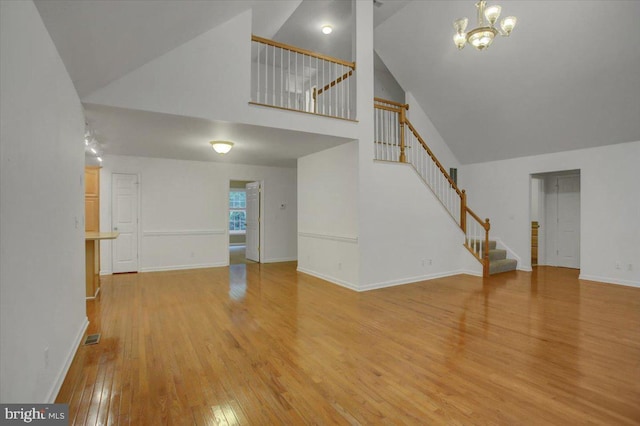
{"x":115,"y":228}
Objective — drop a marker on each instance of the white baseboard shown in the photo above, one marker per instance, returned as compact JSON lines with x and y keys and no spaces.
{"x":328,"y":278}
{"x":409,"y":280}
{"x":607,"y":280}
{"x":106,"y":272}
{"x":471,"y":272}
{"x":282,"y":259}
{"x":181,"y":267}
{"x":62,"y":374}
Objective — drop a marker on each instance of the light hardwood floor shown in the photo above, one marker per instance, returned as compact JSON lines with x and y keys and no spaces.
{"x":263,"y":344}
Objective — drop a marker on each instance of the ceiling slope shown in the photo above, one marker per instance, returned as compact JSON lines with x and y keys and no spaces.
{"x":556,"y":84}
{"x":100,"y":41}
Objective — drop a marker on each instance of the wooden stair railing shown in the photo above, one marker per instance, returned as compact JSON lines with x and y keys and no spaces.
{"x":397,"y":140}
{"x":292,"y":78}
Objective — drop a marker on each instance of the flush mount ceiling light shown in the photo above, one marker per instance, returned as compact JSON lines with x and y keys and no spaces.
{"x":327,"y":29}
{"x":482,"y":36}
{"x":221,"y":147}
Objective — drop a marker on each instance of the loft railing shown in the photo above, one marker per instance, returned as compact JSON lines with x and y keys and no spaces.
{"x":288,"y":77}
{"x":397,"y":140}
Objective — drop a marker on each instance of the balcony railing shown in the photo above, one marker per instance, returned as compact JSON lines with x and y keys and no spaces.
{"x":292,"y":78}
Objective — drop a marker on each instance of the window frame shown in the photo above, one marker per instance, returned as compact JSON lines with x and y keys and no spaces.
{"x":237,"y":209}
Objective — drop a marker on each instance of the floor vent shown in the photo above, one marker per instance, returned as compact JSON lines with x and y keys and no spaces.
{"x":92,"y":339}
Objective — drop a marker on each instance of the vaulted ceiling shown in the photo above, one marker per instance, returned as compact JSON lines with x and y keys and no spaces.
{"x":567,"y":78}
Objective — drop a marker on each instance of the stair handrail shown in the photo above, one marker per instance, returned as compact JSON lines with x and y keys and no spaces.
{"x":476,"y":231}
{"x":306,"y":52}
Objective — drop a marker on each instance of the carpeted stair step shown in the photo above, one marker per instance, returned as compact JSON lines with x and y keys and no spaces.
{"x":497,"y":254}
{"x":502,"y":265}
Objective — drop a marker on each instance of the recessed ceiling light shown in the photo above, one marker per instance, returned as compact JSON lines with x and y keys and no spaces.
{"x":327,"y":29}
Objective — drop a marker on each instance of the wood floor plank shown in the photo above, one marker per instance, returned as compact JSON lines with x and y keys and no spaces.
{"x":264,"y":344}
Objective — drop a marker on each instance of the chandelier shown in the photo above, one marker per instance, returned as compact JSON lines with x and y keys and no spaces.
{"x":482,"y":36}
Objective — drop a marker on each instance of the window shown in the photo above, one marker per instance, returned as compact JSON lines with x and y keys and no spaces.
{"x":237,"y":211}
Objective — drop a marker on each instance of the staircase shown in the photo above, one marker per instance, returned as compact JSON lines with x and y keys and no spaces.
{"x":397,"y":140}
{"x":498,"y":261}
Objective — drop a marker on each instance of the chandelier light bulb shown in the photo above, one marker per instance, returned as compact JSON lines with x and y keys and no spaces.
{"x":492,"y":13}
{"x":460,"y":25}
{"x":507,"y":24}
{"x":460,"y":39}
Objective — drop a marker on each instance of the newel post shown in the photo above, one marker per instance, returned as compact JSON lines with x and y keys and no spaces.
{"x":463,"y":211}
{"x":485,"y":263}
{"x":403,"y":157}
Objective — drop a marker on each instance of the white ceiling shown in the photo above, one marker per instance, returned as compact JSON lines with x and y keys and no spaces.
{"x":150,"y":134}
{"x":567,"y":78}
{"x":552,"y":86}
{"x":100,"y":41}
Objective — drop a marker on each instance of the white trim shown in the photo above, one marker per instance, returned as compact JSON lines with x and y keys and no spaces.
{"x":471,"y":272}
{"x":182,"y":232}
{"x":328,"y":278}
{"x":282,"y":259}
{"x":62,"y":374}
{"x":412,"y":280}
{"x":236,"y":244}
{"x":607,"y":280}
{"x":180,"y":267}
{"x":94,"y":296}
{"x":341,"y":238}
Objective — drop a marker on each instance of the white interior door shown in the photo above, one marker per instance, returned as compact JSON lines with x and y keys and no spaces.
{"x":568,"y":238}
{"x":124,"y":218}
{"x":253,"y":222}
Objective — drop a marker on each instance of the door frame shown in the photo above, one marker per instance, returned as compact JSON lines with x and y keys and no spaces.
{"x":262,"y":216}
{"x":139,"y":206}
{"x":543,"y":256}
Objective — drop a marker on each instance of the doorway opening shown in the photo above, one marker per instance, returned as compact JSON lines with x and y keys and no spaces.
{"x":244,"y":222}
{"x":555,"y":219}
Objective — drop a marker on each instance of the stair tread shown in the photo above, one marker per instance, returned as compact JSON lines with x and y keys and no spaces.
{"x":502,"y":265}
{"x":497,"y":254}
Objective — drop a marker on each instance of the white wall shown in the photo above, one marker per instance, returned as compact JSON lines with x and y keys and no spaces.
{"x":184,"y":211}
{"x":609,"y":205}
{"x":415,"y":238}
{"x":328,"y":214}
{"x":209,"y":77}
{"x":430,"y":134}
{"x":385,"y":85}
{"x":42,"y":300}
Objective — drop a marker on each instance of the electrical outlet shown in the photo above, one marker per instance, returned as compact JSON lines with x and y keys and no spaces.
{"x":430,"y":262}
{"x":618,"y":265}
